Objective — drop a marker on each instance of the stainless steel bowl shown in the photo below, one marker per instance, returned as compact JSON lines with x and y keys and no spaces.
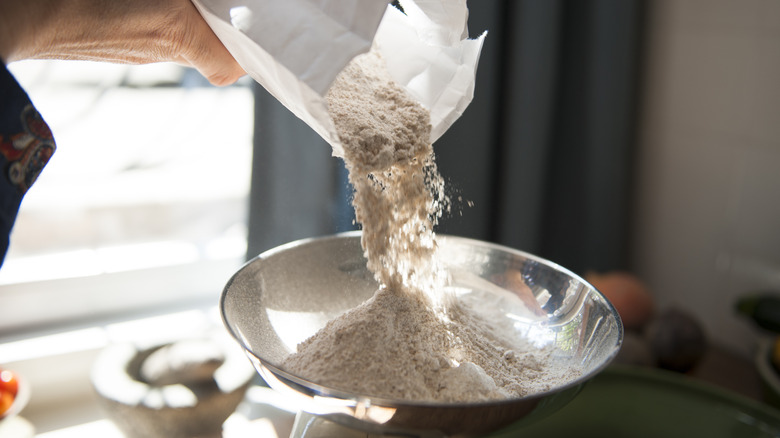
{"x":287,"y":294}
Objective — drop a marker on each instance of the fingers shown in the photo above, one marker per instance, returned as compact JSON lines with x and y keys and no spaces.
{"x":209,"y":55}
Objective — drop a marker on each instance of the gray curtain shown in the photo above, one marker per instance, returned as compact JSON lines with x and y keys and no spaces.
{"x":544,"y":151}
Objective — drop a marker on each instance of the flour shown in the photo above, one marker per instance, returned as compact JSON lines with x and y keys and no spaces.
{"x":399,"y":194}
{"x":411,"y":340}
{"x":393,"y":346}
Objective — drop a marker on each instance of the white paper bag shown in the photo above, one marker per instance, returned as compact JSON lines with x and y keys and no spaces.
{"x":296,"y":48}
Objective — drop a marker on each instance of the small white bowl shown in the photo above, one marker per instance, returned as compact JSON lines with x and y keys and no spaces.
{"x":143,"y":410}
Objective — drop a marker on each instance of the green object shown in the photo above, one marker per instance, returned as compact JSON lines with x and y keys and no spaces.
{"x":633,"y":402}
{"x":763,"y":309}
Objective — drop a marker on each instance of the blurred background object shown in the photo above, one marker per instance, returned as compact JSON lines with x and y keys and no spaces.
{"x":181,"y":389}
{"x":14,"y":395}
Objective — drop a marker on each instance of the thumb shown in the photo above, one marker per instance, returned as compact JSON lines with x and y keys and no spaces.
{"x":209,"y":56}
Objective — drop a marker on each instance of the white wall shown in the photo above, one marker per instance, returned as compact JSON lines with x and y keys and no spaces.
{"x":708,"y":195}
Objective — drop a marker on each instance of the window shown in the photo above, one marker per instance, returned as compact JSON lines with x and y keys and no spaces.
{"x":144,"y":202}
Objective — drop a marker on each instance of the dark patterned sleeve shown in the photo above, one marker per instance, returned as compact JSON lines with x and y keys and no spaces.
{"x":26,"y":144}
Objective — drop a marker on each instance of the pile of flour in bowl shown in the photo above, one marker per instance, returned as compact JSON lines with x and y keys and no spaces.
{"x":409,"y":341}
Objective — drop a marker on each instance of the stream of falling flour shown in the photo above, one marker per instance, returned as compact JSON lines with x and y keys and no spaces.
{"x":406,"y":342}
{"x":398,"y":192}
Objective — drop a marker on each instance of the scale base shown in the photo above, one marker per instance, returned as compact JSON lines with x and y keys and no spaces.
{"x":312,"y":426}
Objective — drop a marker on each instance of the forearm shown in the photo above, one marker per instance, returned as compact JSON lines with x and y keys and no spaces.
{"x":108,"y":30}
{"x":21,"y":25}
{"x":122,"y":31}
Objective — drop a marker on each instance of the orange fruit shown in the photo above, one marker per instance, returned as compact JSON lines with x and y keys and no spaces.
{"x":6,"y":400}
{"x":627,"y":293}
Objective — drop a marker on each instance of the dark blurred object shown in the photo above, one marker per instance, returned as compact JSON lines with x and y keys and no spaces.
{"x":766,"y":362}
{"x":763,"y":308}
{"x":676,"y":339}
{"x":635,"y":351}
{"x":648,"y":403}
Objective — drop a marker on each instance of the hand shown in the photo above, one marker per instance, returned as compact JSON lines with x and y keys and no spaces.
{"x":121,"y":31}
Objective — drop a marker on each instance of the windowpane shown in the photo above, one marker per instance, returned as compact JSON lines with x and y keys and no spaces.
{"x":152,"y":170}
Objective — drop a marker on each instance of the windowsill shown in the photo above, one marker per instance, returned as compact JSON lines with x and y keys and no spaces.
{"x":236,"y":426}
{"x":57,"y":366}
{"x":65,"y":303}
{"x":267,"y":418}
